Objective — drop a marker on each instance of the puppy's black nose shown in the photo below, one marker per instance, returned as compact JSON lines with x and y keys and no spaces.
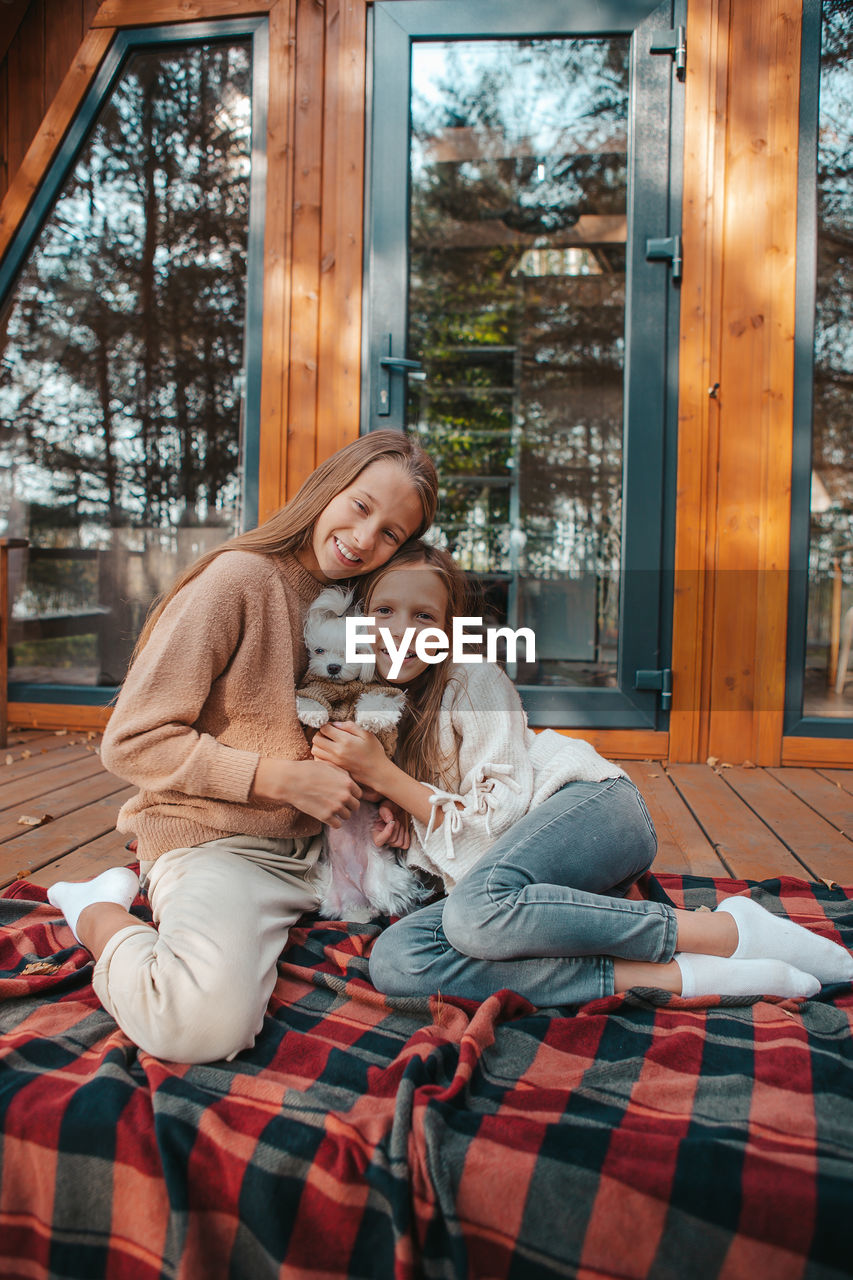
{"x":333,"y":668}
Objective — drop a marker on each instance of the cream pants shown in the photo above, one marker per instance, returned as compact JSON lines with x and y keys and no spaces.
{"x":197,"y":989}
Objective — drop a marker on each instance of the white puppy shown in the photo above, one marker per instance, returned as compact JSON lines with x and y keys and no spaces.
{"x":357,"y":879}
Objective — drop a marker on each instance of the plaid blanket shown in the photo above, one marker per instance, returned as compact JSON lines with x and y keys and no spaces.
{"x":639,"y":1135}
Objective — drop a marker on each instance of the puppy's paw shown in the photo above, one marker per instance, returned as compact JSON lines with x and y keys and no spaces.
{"x":312,"y":713}
{"x":379,"y":710}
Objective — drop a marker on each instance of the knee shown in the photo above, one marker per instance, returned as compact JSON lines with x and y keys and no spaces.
{"x":466,"y":927}
{"x":388,"y":968}
{"x":178,"y":1018}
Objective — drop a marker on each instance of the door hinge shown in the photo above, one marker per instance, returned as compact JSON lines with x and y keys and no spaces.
{"x":660,"y":680}
{"x":666,"y":250}
{"x":675,"y":43}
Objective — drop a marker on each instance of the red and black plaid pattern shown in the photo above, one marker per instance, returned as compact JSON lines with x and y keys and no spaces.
{"x":639,"y":1135}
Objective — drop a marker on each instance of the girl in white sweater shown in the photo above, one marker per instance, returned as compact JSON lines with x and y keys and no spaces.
{"x":537,"y":839}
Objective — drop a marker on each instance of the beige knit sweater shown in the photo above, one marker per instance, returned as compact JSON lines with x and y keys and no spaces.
{"x":209,"y":695}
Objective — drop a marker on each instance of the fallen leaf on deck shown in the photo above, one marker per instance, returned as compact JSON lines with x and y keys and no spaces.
{"x":712,"y":760}
{"x":10,"y":759}
{"x":25,"y":755}
{"x":26,"y":820}
{"x":60,"y":733}
{"x":749,"y":764}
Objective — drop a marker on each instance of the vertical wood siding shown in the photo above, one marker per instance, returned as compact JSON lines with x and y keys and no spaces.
{"x":737,"y":330}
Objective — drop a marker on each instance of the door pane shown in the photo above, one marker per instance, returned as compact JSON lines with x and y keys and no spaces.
{"x":120,"y":381}
{"x":518,"y":170}
{"x":828,"y":684}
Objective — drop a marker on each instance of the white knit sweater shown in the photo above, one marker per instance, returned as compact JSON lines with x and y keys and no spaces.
{"x":503,"y":770}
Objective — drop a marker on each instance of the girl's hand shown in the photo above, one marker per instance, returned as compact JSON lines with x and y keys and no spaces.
{"x":391,"y":826}
{"x":319,"y":789}
{"x":350,"y":747}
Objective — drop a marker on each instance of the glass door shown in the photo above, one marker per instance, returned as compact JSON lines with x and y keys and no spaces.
{"x":522,"y":272}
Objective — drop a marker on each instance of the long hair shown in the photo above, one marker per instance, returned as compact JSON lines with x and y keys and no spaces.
{"x":291,"y":528}
{"x":419,"y":751}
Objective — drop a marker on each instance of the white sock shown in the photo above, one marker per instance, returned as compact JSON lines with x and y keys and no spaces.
{"x":725,"y":976}
{"x":119,"y":885}
{"x":763,"y":936}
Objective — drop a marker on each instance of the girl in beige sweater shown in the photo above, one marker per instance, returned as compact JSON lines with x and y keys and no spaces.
{"x":230,"y":801}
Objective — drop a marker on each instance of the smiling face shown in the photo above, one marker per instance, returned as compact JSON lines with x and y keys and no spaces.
{"x":414,"y":596}
{"x":364,"y":524}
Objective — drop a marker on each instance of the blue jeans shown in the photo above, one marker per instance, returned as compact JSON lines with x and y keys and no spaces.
{"x":543,"y":912}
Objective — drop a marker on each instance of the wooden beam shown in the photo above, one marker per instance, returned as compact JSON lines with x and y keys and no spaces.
{"x":308,"y":161}
{"x":698,"y":410}
{"x":339,"y":404}
{"x":817,"y":753}
{"x":49,"y":715}
{"x":49,"y":137}
{"x":756,"y":383}
{"x":147,"y":13}
{"x":278,"y":243}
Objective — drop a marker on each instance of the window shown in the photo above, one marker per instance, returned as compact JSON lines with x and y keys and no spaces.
{"x":127,"y":424}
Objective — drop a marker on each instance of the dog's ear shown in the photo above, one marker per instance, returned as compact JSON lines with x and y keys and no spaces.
{"x":333,"y":602}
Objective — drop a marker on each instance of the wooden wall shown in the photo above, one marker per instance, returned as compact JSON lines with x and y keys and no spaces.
{"x":737,"y":322}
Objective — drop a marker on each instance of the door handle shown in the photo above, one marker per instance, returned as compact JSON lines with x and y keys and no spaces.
{"x":389,"y":364}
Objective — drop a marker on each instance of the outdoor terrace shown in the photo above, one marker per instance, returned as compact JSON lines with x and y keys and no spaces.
{"x":58,"y":807}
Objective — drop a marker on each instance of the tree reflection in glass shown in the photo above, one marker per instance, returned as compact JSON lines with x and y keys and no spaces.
{"x":120,"y":381}
{"x":828,"y":684}
{"x":517,"y":310}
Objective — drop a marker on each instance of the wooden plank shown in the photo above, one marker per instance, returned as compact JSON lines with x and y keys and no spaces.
{"x":756,"y":383}
{"x":62,"y":35}
{"x":827,"y":853}
{"x":683,"y":847}
{"x":818,"y":753}
{"x":744,"y":843}
{"x":60,"y":113}
{"x":339,"y":387}
{"x":46,"y":781}
{"x":827,"y":798}
{"x":272,"y":478}
{"x":89,"y":860}
{"x":146,"y":13}
{"x":10,"y":20}
{"x":777,"y":417}
{"x":19,"y":858}
{"x":59,"y":803}
{"x":698,"y":369}
{"x":4,"y":135}
{"x":623,"y":744}
{"x":42,"y":759}
{"x":25,"y":61}
{"x":305,"y":261}
{"x":48,"y":715}
{"x":841,"y":777}
{"x":349,"y":217}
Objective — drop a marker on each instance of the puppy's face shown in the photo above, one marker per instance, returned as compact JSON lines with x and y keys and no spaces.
{"x":325,"y":639}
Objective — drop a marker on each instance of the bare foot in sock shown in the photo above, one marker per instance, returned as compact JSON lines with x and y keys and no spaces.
{"x":763,"y":936}
{"x":725,"y":976}
{"x":119,"y":885}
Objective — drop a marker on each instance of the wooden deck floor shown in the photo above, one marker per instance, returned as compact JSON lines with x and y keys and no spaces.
{"x":747,"y":823}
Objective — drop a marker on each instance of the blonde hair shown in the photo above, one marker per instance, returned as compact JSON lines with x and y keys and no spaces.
{"x":419,"y":751}
{"x":292,"y":527}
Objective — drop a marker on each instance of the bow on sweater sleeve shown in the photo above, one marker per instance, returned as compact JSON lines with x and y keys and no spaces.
{"x":495,"y":771}
{"x":152,"y":739}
